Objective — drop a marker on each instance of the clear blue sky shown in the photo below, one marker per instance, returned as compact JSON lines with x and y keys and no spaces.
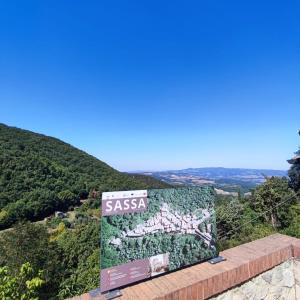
{"x":156,"y":84}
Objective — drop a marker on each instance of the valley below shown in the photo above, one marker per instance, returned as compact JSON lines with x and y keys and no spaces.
{"x":226,"y":181}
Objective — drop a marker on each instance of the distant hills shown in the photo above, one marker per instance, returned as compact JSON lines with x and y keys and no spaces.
{"x":40,"y":174}
{"x":227,"y":179}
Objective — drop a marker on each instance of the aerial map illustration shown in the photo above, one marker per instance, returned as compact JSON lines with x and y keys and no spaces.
{"x":176,"y":228}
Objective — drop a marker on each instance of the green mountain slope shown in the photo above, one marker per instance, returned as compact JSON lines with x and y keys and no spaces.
{"x":40,"y":174}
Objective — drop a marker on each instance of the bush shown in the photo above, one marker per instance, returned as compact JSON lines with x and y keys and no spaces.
{"x":24,"y":286}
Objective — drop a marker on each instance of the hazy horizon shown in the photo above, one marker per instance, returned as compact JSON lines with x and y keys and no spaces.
{"x":207,"y":167}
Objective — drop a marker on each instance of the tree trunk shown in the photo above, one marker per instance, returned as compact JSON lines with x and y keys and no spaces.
{"x":273,"y":220}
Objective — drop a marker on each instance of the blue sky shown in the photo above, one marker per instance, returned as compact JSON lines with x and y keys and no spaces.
{"x":152,"y":85}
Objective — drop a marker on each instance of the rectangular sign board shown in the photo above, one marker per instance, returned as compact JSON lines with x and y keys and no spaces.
{"x":146,"y":233}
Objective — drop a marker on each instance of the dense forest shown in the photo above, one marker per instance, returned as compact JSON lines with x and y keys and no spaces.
{"x":59,"y":257}
{"x":38,"y":176}
{"x":41,"y":174}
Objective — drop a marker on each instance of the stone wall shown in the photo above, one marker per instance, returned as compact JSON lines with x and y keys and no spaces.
{"x":281,"y":282}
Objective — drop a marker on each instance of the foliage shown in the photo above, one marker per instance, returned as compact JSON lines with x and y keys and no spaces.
{"x":57,"y":232}
{"x":30,"y":243}
{"x":272,"y":201}
{"x":229,"y":216}
{"x":55,"y":221}
{"x":249,"y":232}
{"x":238,"y":223}
{"x":294,"y":174}
{"x":294,"y":227}
{"x":25,"y":285}
{"x":273,"y":198}
{"x":41,"y":174}
{"x":69,"y":258}
{"x":80,"y":257}
{"x":150,"y":181}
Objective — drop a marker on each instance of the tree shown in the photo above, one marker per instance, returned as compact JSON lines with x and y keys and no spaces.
{"x":81,"y":259}
{"x":82,"y":279}
{"x":30,"y":243}
{"x":229,"y":214}
{"x":272,"y":199}
{"x":23,"y":286}
{"x":4,"y":219}
{"x":294,"y":227}
{"x":294,"y":172}
{"x":39,"y":175}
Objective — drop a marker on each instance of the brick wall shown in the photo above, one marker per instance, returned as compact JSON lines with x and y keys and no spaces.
{"x":205,"y":280}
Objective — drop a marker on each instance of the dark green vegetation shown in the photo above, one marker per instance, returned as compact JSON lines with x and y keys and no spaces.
{"x":273,"y":207}
{"x":183,"y":249}
{"x":30,"y":243}
{"x":66,"y":251}
{"x":67,"y":260}
{"x":149,"y":181}
{"x":294,"y":172}
{"x":40,"y":174}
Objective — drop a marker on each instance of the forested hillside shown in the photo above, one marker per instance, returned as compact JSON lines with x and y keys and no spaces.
{"x":41,"y":174}
{"x":59,"y":258}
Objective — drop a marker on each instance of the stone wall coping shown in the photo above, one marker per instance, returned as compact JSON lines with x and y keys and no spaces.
{"x":203,"y":280}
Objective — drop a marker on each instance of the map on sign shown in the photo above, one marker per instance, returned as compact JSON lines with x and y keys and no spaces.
{"x":146,"y":233}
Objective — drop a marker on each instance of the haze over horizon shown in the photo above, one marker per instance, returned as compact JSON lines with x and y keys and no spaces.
{"x":207,"y":167}
{"x":156,"y":86}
